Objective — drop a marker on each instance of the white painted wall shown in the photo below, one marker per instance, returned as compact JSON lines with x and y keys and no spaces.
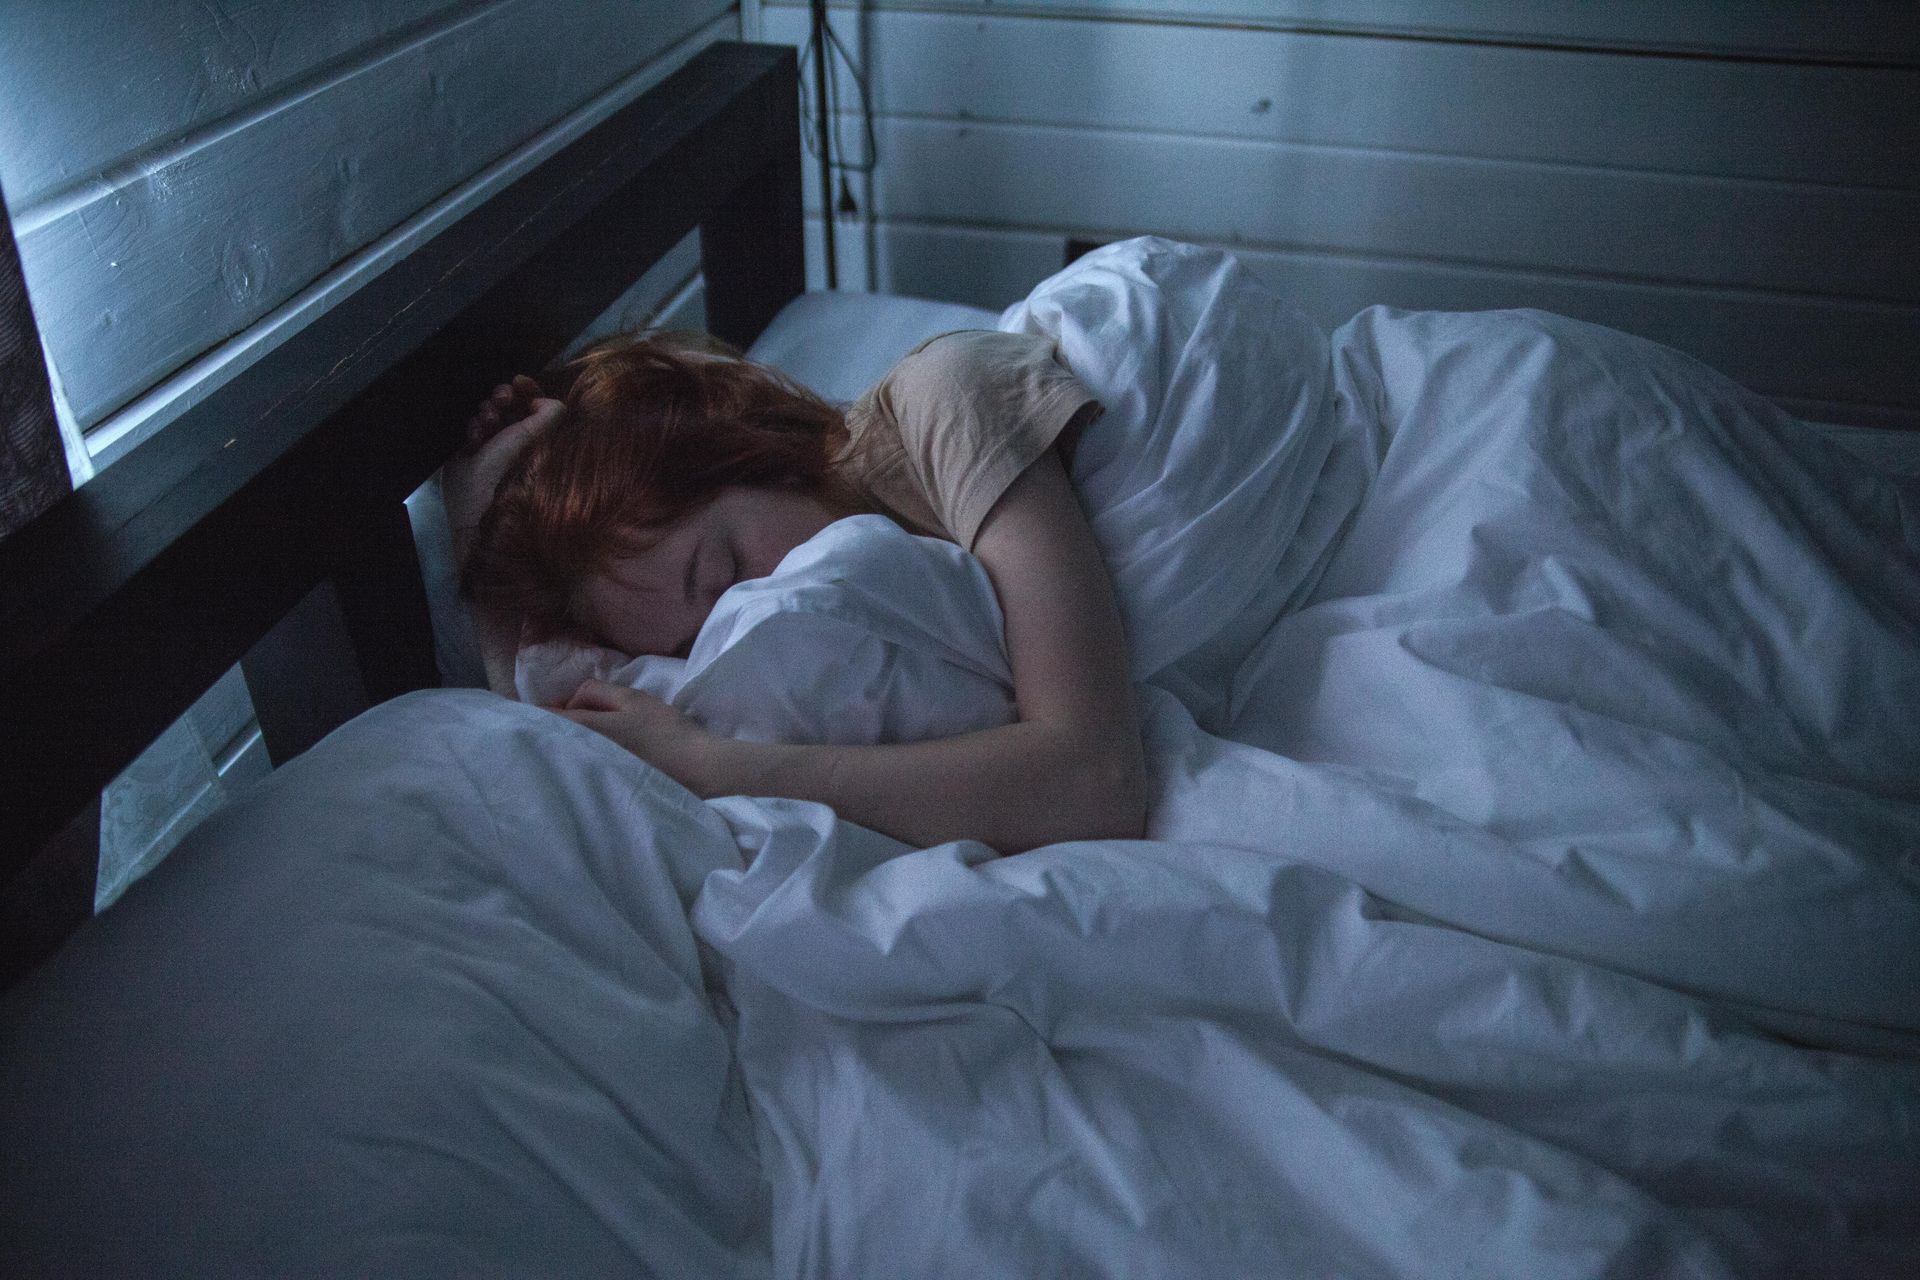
{"x":1736,"y":178}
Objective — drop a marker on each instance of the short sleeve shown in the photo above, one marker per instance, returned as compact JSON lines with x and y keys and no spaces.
{"x":973,"y":410}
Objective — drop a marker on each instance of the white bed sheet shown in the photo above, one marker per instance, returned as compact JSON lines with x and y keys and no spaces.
{"x":423,"y":1003}
{"x":1161,"y":1058}
{"x":1489,"y":976}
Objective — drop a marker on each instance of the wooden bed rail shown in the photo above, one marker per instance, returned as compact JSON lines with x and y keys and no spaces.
{"x":123,"y":603}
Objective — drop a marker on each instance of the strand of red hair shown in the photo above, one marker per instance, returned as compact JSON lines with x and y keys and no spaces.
{"x":656,"y":424}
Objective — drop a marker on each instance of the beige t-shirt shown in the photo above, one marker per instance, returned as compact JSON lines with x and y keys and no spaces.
{"x":955,"y":422}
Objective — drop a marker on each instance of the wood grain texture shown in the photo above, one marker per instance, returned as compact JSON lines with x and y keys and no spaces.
{"x":1688,"y":116}
{"x":1621,"y":225}
{"x":166,"y":255}
{"x":1756,"y":212}
{"x":1830,"y":361}
{"x":1867,"y":32}
{"x":82,"y":97}
{"x":201,"y":377}
{"x":125,"y":601}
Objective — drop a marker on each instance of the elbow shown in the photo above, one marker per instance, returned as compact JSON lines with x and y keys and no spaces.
{"x":1114,"y":794}
{"x":1096,"y":791}
{"x":1130,"y":802}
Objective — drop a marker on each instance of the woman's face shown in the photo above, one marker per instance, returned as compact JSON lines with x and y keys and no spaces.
{"x":654,"y":600}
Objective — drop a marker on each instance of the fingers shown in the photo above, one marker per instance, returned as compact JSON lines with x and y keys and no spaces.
{"x":598,"y":721}
{"x":598,"y":695}
{"x":489,"y":417}
{"x":508,"y":404}
{"x":540,"y":415}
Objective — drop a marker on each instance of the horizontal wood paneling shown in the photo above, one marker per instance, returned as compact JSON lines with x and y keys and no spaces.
{"x":1623,"y":225}
{"x":176,"y":564}
{"x":186,"y":387}
{"x":1673,"y":115}
{"x":143,"y":270}
{"x":991,"y":268}
{"x":1838,"y":362}
{"x":1866,"y":31}
{"x":1757,"y":213}
{"x":154,"y":72}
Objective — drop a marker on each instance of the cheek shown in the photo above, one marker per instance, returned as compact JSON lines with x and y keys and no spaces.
{"x":619,"y":619}
{"x":615,"y":619}
{"x":750,"y":560}
{"x":758,"y":552}
{"x":617,"y":631}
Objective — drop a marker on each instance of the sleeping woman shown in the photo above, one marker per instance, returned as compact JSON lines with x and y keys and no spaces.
{"x":674,"y":468}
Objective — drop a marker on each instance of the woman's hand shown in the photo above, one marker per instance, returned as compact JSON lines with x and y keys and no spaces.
{"x":1072,"y":768}
{"x":649,"y":728}
{"x":504,"y":424}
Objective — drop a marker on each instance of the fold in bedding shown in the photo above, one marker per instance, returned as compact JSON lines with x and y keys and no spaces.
{"x":1544,"y":902}
{"x":1161,"y":1059}
{"x":1531,"y":884}
{"x":1531,"y":888}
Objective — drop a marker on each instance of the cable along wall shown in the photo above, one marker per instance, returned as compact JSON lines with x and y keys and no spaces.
{"x":1734,"y":179}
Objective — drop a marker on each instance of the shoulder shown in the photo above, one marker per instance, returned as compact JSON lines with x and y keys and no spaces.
{"x":970,"y":364}
{"x":970,"y":351}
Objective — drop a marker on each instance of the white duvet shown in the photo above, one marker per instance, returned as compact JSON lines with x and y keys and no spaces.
{"x":1544,"y":901}
{"x":1549,"y":903}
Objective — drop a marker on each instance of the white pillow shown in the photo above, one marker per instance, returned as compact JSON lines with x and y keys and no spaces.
{"x":864,"y":634}
{"x":840,"y":344}
{"x":424,"y":1002}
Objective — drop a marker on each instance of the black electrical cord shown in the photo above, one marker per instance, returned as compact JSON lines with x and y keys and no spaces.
{"x":821,"y":131}
{"x":819,"y":42}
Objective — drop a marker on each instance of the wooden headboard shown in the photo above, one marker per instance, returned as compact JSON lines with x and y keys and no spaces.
{"x":268,"y":522}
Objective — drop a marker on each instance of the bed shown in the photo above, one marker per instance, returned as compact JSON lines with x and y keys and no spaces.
{"x":1517,"y":900}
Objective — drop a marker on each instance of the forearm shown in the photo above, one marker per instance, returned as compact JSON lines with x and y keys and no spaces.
{"x":1013,"y":788}
{"x":497,"y":633}
{"x":499,"y":647}
{"x":504,"y":424}
{"x":1070,"y":769}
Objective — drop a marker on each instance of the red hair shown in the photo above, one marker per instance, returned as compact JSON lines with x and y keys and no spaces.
{"x":655,"y":426}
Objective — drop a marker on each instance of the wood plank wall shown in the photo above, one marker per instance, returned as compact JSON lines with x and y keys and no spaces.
{"x":1735,"y":178}
{"x":193,"y":183}
{"x":184,"y":177}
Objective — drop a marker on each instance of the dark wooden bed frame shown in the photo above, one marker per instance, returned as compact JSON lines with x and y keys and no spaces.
{"x":267,"y":525}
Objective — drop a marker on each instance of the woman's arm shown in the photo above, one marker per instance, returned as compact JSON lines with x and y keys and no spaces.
{"x":499,"y":636}
{"x":500,"y":428}
{"x":1071,"y":768}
